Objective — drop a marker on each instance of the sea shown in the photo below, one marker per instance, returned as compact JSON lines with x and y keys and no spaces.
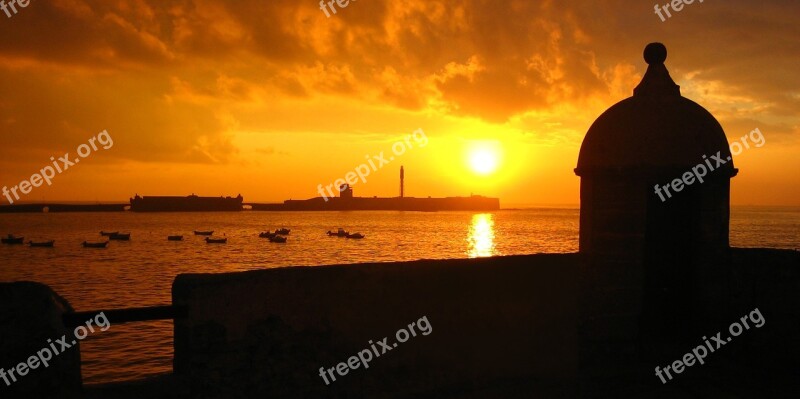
{"x":140,"y":272}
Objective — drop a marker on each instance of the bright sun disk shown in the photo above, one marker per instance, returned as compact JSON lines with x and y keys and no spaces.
{"x":483,"y":161}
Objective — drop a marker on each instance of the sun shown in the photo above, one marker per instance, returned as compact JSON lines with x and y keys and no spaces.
{"x":483,"y":161}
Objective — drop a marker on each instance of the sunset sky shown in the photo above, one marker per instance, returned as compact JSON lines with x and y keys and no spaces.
{"x":271,"y":98}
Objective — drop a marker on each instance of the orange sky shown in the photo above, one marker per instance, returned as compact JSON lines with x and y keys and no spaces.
{"x":270,"y":99}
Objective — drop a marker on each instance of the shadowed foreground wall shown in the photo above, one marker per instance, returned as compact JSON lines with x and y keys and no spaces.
{"x":502,"y":327}
{"x":498,"y":324}
{"x":508,"y":327}
{"x":30,"y":314}
{"x":618,"y":357}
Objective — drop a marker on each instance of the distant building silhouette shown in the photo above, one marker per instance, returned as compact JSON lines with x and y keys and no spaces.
{"x":347,"y":201}
{"x":345,"y":191}
{"x":190,"y":203}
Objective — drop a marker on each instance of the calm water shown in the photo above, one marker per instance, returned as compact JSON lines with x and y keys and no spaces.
{"x":140,"y":272}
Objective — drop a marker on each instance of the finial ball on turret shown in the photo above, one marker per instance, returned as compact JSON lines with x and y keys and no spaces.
{"x":655,"y":53}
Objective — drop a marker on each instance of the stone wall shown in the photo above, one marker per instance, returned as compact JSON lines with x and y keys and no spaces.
{"x":498,"y":325}
{"x":767,"y":279}
{"x":618,"y":357}
{"x":30,"y":314}
{"x":501,"y":327}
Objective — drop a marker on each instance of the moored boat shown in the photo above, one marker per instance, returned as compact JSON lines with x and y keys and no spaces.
{"x":108,"y":233}
{"x":120,"y":236}
{"x":210,"y":240}
{"x":278,"y":239}
{"x":266,"y":234}
{"x":175,"y":238}
{"x":48,"y":244}
{"x":283,"y":231}
{"x":355,"y":236}
{"x":339,"y":233}
{"x":102,"y":244}
{"x":11,"y":239}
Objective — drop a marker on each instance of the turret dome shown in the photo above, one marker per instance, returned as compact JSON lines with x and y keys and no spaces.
{"x":655,"y":129}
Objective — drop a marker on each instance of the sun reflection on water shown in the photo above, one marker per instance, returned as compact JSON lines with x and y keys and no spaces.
{"x":481,"y":236}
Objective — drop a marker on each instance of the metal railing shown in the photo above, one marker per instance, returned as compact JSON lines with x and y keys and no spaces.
{"x":118,"y":316}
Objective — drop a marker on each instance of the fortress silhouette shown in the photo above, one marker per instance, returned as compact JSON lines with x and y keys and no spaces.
{"x":651,"y":280}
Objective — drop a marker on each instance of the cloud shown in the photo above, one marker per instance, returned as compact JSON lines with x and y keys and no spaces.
{"x":176,"y":79}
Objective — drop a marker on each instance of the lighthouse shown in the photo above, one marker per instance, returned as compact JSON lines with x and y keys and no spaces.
{"x":402,"y":176}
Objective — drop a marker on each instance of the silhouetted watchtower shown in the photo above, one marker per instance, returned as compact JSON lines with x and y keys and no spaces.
{"x":647,"y":245}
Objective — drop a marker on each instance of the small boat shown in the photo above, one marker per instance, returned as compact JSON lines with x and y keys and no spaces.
{"x":278,"y":239}
{"x":283,"y":231}
{"x":175,"y":238}
{"x":120,"y":237}
{"x":108,"y":233}
{"x":338,"y":233}
{"x":266,"y":234}
{"x":203,"y":233}
{"x":355,"y":236}
{"x":48,"y":244}
{"x":210,"y":240}
{"x":87,"y":244}
{"x":11,"y":239}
